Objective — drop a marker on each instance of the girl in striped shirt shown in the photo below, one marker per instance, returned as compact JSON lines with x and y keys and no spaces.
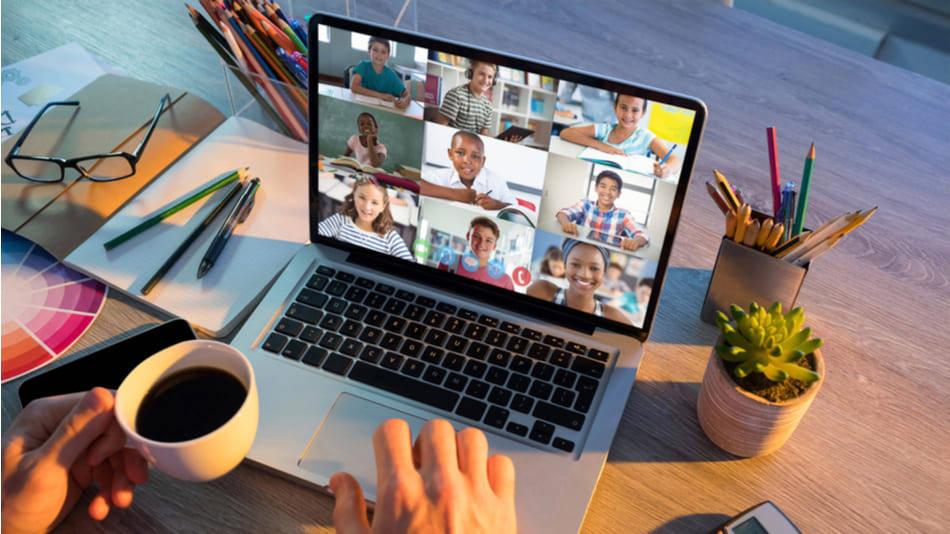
{"x":364,"y":219}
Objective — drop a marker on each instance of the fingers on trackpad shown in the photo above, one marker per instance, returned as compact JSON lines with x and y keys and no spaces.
{"x":344,"y":440}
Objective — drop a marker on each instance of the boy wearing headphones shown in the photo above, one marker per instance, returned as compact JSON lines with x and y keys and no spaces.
{"x":466,"y":107}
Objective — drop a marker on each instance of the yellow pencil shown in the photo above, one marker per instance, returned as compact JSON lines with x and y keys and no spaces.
{"x":764,"y":232}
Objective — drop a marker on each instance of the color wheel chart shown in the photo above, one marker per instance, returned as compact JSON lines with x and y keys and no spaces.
{"x":46,"y":306}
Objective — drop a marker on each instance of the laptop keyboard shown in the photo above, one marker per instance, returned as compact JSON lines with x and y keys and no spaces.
{"x":478,"y":367}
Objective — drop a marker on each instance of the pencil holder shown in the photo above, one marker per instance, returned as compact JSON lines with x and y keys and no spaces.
{"x":280,"y":106}
{"x":744,"y":274}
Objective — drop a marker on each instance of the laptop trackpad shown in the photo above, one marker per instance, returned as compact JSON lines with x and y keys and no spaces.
{"x":344,"y":441}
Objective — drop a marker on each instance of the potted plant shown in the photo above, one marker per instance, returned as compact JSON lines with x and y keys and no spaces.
{"x":761,"y":378}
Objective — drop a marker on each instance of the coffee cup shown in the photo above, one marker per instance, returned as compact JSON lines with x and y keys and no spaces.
{"x":184,"y":411}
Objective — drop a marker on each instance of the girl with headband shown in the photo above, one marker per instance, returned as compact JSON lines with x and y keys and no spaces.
{"x":584,"y":266}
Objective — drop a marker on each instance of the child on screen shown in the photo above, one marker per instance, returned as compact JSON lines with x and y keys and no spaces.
{"x":365,"y":145}
{"x":374,"y":78}
{"x":364,"y":219}
{"x":625,"y":137}
{"x":585,"y":265}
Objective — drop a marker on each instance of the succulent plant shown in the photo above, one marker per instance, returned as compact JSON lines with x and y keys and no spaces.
{"x":766,"y":341}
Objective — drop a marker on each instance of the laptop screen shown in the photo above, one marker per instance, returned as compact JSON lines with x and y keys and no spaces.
{"x":557,"y":186}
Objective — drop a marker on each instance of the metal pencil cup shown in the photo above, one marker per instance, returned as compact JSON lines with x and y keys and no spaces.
{"x":744,"y":274}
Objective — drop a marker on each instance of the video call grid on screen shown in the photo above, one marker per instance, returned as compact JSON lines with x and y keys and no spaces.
{"x":467,"y":165}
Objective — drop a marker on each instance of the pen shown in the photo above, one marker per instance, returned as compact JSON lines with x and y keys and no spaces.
{"x":787,"y":209}
{"x":238,"y":214}
{"x":180,"y":204}
{"x":190,"y":239}
{"x":803,"y":195}
{"x":662,"y":161}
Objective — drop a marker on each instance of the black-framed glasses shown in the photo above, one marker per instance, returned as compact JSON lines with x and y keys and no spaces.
{"x":98,"y":167}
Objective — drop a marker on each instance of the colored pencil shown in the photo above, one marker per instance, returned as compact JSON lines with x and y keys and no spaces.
{"x":248,"y":85}
{"x":167,"y":211}
{"x":773,"y":169}
{"x":276,"y":96}
{"x":726,"y":191}
{"x":803,"y":194}
{"x":299,"y":105}
{"x":717,"y":199}
{"x":662,"y":161}
{"x":253,"y":53}
{"x":163,"y":270}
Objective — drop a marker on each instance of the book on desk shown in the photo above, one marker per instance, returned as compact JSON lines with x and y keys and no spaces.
{"x":192,"y":144}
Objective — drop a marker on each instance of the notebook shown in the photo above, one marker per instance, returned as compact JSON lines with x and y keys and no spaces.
{"x":453,"y":314}
{"x":259,"y":248}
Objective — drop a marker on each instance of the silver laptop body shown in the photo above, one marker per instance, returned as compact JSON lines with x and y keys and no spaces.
{"x":315,"y":421}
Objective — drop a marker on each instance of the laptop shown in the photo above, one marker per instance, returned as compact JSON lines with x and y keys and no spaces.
{"x":421,"y":297}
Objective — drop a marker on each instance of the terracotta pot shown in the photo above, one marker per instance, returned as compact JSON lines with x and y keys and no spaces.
{"x":745,"y":424}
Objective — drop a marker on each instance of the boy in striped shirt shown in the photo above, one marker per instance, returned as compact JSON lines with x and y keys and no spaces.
{"x":603,"y":216}
{"x":465,"y":107}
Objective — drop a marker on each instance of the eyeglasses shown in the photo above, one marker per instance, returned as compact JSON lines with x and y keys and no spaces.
{"x":99,"y":167}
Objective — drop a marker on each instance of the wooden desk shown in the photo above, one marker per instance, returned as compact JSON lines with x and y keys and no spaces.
{"x":870,"y":456}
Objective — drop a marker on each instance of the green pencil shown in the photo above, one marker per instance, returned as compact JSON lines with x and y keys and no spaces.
{"x":179,"y":205}
{"x":803,"y":193}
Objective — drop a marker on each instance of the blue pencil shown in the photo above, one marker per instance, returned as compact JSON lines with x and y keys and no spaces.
{"x":662,"y":161}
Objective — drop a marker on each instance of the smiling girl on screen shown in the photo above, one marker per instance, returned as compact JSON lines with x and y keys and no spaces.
{"x":625,"y":137}
{"x":365,"y":145}
{"x":584,"y":266}
{"x":364,"y":219}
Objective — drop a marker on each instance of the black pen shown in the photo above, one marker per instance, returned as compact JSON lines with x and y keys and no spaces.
{"x":238,"y":214}
{"x":190,"y":239}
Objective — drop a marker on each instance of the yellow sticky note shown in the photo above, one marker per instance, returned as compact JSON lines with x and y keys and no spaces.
{"x":671,"y":123}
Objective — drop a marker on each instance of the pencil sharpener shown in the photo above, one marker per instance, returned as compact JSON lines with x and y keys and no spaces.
{"x":743,"y":274}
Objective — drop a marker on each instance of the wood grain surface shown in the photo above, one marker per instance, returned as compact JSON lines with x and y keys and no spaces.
{"x":872,"y":453}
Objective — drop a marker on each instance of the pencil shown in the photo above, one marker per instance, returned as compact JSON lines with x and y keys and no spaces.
{"x":258,"y":70}
{"x":179,"y":205}
{"x":803,"y":194}
{"x":298,"y":104}
{"x":163,"y":270}
{"x":717,"y":199}
{"x":726,"y":191}
{"x":203,"y":23}
{"x":248,"y":85}
{"x":662,"y":161}
{"x":773,"y":169}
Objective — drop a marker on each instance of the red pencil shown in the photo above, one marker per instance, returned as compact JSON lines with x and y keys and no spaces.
{"x":773,"y":168}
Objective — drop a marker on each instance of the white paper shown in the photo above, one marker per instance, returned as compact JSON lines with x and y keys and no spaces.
{"x":275,"y":230}
{"x":53,"y":75}
{"x":639,"y":164}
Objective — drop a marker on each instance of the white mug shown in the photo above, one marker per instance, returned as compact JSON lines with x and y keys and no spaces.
{"x":206,"y":457}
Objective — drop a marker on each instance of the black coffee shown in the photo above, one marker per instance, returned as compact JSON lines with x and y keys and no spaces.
{"x":189,"y":404}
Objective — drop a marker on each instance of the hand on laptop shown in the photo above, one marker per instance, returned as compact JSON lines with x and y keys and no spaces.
{"x":56,"y":448}
{"x":446,"y":482}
